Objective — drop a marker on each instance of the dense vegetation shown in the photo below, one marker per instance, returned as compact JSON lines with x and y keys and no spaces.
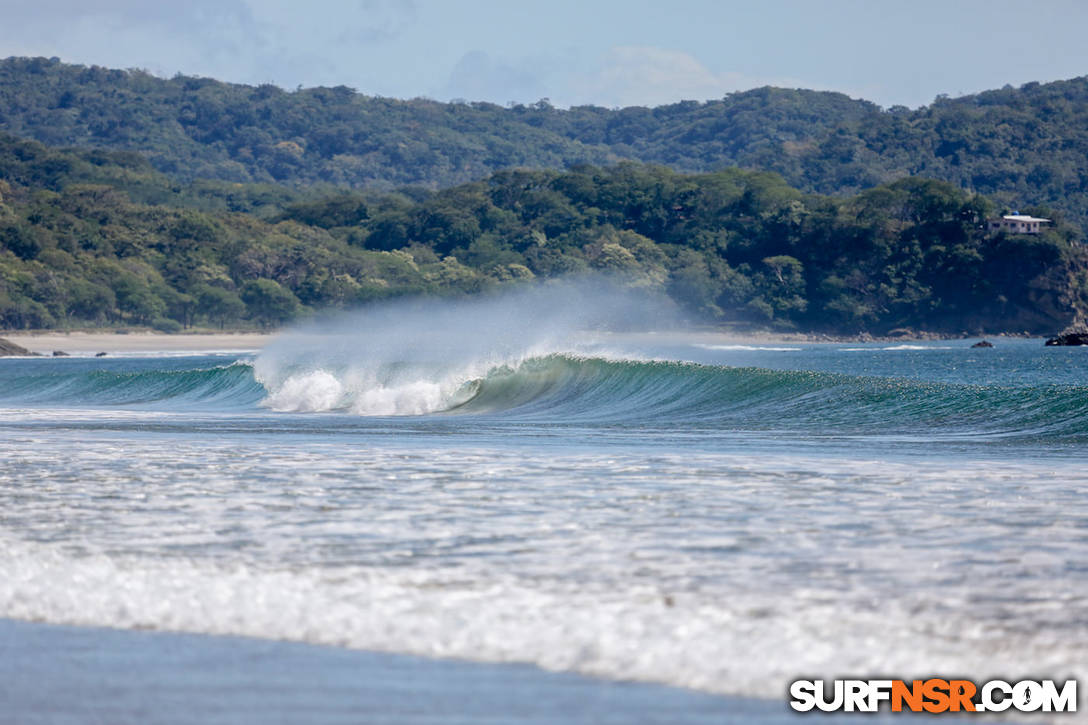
{"x":1022,"y":146}
{"x":100,"y":238}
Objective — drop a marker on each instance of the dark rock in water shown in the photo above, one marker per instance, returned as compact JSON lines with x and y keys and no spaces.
{"x":9,"y":348}
{"x":60,"y":353}
{"x":983,"y":343}
{"x":101,"y":354}
{"x":1069,"y":338}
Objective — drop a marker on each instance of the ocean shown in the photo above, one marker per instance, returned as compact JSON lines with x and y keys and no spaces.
{"x":481,"y":483}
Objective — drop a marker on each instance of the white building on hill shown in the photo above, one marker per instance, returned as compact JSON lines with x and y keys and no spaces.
{"x":1016,"y":223}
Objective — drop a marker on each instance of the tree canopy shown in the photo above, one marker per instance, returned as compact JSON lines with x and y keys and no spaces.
{"x":90,"y":237}
{"x":1022,"y":146}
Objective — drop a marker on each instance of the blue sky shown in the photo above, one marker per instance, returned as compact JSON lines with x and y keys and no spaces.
{"x":607,"y":52}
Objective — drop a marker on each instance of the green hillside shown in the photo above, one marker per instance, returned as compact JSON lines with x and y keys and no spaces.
{"x":90,"y":237}
{"x":1021,"y":146}
{"x":202,"y":128}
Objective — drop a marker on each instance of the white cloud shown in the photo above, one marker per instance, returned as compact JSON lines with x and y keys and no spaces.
{"x":625,"y":76}
{"x":481,"y":77}
{"x":388,"y":47}
{"x":639,"y":75}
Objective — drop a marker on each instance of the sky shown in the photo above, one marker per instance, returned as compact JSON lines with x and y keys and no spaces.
{"x":604,"y":52}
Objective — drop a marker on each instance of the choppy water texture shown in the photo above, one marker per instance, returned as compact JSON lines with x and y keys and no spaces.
{"x":721,"y":517}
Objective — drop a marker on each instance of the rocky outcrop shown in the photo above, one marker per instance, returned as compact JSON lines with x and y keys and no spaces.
{"x":983,"y":343}
{"x":1069,"y":338}
{"x":9,"y":348}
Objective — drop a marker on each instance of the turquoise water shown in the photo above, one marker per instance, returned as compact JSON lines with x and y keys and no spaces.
{"x":631,"y":506}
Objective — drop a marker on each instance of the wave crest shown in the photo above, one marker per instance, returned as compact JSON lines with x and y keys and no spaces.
{"x":351,"y":391}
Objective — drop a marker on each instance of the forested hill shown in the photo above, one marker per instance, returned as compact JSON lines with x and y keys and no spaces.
{"x":1021,"y":146}
{"x":92,"y":238}
{"x":198,"y":127}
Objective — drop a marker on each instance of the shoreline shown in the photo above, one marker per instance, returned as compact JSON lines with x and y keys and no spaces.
{"x":894,"y":336}
{"x":61,"y":670}
{"x":90,"y":343}
{"x":62,"y":673}
{"x":727,"y":338}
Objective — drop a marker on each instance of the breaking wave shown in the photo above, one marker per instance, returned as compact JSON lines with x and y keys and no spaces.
{"x":574,"y":388}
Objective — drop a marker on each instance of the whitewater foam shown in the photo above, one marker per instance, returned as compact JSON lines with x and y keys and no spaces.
{"x":571,"y":562}
{"x":380,"y":390}
{"x":766,"y":348}
{"x":917,"y":347}
{"x":306,"y":392}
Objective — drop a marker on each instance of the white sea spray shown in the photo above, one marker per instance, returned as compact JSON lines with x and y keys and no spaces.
{"x":413,"y":357}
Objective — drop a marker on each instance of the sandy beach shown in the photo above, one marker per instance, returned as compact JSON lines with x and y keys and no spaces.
{"x":92,"y":343}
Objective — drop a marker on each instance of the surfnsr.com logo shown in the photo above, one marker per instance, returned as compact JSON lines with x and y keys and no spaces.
{"x":934,"y":695}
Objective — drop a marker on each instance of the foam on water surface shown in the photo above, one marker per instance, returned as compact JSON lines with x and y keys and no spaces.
{"x":768,"y":348}
{"x":725,"y":573}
